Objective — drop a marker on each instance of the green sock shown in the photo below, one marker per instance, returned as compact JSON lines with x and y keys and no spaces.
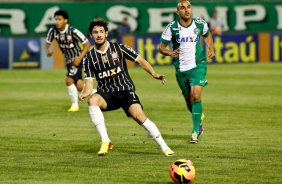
{"x":197,"y":110}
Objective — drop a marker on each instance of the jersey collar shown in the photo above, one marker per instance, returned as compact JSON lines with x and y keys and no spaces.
{"x":103,"y":52}
{"x":65,"y":30}
{"x":185,"y":26}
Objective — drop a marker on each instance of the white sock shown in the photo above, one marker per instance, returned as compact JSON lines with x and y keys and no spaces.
{"x":154,"y":132}
{"x":98,"y":120}
{"x":73,"y":93}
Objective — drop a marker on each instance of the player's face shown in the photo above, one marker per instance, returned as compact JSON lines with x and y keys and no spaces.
{"x":60,"y":22}
{"x":184,"y":10}
{"x":99,"y":35}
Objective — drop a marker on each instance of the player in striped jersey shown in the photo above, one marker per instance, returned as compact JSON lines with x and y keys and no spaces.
{"x":106,"y":62}
{"x":189,"y":59}
{"x":68,"y":39}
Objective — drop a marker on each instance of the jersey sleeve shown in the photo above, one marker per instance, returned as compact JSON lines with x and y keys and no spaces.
{"x":166,"y":35}
{"x":128,"y":52}
{"x":50,"y":35}
{"x":205,"y":28}
{"x":79,"y":36}
{"x":88,"y":68}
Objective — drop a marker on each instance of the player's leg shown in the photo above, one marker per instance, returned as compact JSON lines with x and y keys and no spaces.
{"x":73,"y":94}
{"x":78,"y":79}
{"x":183,"y":83}
{"x":70,"y":80}
{"x":197,"y":110}
{"x":197,"y":82}
{"x":137,"y":113}
{"x":189,"y":102}
{"x":79,"y":85}
{"x":95,"y":104}
{"x":188,"y":98}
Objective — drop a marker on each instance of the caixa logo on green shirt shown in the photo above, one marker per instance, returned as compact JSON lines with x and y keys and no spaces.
{"x":193,"y":39}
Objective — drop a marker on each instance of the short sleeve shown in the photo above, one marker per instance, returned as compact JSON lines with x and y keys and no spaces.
{"x":205,"y":29}
{"x":50,"y":35}
{"x":128,"y":52}
{"x":166,"y":35}
{"x":79,"y":36}
{"x":88,"y":69}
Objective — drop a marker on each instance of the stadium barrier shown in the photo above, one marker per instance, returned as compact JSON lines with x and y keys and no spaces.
{"x":229,"y":48}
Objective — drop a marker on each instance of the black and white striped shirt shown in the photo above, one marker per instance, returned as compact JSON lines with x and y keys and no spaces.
{"x":68,"y":40}
{"x":109,"y":67}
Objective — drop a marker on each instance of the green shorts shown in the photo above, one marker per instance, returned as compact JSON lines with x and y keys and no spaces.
{"x":194,"y":77}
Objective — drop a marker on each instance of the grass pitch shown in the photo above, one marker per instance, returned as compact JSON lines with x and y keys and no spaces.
{"x":40,"y":142}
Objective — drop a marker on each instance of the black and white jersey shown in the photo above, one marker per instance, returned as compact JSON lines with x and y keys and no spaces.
{"x":68,"y":40}
{"x":109,"y":67}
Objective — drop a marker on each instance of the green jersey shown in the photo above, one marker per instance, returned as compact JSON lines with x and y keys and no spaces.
{"x":187,"y":40}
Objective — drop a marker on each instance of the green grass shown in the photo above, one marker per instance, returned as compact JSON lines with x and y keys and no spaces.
{"x":40,"y":142}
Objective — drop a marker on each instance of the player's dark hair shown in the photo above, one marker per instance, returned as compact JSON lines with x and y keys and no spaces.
{"x":98,"y":22}
{"x":62,"y":13}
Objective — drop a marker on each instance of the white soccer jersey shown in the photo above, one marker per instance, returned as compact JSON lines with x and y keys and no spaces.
{"x":187,"y":40}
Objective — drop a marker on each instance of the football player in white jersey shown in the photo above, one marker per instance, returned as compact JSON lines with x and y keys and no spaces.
{"x":189,"y":59}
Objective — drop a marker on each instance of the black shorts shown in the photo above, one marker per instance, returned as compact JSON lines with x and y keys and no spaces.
{"x":122,"y":99}
{"x":73,"y":71}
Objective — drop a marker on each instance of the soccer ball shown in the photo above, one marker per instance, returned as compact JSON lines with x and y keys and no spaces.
{"x":182,"y":171}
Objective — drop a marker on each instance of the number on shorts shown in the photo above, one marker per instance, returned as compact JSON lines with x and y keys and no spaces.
{"x":133,"y":94}
{"x":73,"y":70}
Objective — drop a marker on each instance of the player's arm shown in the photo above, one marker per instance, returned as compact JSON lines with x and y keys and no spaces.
{"x":130,"y":54}
{"x":77,"y":60}
{"x":48,"y":51}
{"x":167,"y":52}
{"x":165,"y":40}
{"x":87,"y":90}
{"x":86,"y":45}
{"x":48,"y":41}
{"x":147,"y":67}
{"x":208,"y":39}
{"x":89,"y":77}
{"x":209,"y":43}
{"x":85,"y":49}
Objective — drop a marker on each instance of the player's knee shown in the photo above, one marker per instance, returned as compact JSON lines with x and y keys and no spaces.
{"x":92,"y":100}
{"x":97,"y":100}
{"x":69,"y":81}
{"x":79,"y":85}
{"x":196,"y":98}
{"x":139,"y":117}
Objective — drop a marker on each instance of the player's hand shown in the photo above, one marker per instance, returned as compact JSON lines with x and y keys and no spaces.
{"x":76,"y":61}
{"x":175,"y":53}
{"x":211,"y":53}
{"x":82,"y":96}
{"x":49,"y":53}
{"x":160,"y":77}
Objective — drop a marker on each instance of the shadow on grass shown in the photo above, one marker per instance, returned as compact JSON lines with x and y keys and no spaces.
{"x":176,"y":137}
